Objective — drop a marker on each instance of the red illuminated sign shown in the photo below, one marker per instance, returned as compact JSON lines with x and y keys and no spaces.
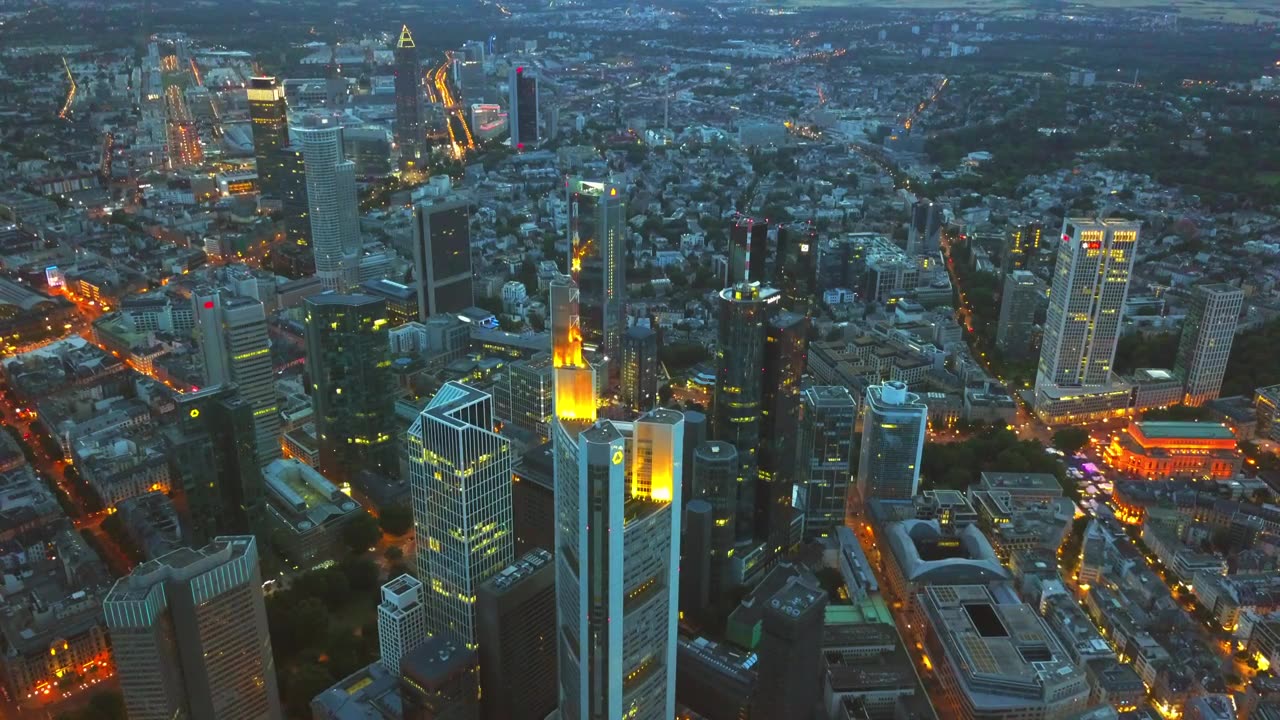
{"x":208,"y":304}
{"x":1092,"y":245}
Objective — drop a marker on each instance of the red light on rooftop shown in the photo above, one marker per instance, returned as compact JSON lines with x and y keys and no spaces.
{"x":519,"y":146}
{"x":1066,"y":237}
{"x":208,"y":304}
{"x":520,"y":70}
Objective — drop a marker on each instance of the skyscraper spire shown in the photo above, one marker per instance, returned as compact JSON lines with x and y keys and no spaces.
{"x":406,"y":38}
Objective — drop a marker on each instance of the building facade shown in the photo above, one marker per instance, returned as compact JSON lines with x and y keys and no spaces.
{"x":522,"y":107}
{"x":410,"y":126}
{"x":1205,"y":345}
{"x":516,"y":609}
{"x":640,"y":369}
{"x":824,"y":462}
{"x":269,"y":114}
{"x":442,"y":257}
{"x":894,"y":423}
{"x":402,"y":621}
{"x":331,"y":207}
{"x":597,"y":263}
{"x":1015,"y":331}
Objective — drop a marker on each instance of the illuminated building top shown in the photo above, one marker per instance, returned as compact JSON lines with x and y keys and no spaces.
{"x":406,"y":38}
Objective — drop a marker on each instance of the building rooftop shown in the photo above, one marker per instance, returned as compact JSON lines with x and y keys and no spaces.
{"x":1165,"y":429}
{"x":436,"y":661}
{"x":509,"y":576}
{"x":370,"y":693}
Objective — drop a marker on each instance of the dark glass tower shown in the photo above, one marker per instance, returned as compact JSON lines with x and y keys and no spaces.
{"x":522,"y":113}
{"x":737,"y":407}
{"x":748,"y":251}
{"x":442,"y":257}
{"x":790,"y":651}
{"x":640,"y":369}
{"x":786,"y":350}
{"x":292,"y":182}
{"x":597,"y":263}
{"x":349,"y":365}
{"x":516,"y":623}
{"x":715,"y":480}
{"x":269,"y":113}
{"x":410,"y":130}
{"x":797,"y":253}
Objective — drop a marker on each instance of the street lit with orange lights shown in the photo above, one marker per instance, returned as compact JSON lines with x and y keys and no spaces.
{"x":452,"y":108}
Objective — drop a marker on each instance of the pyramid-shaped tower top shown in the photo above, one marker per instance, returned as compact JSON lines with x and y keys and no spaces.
{"x":406,"y":38}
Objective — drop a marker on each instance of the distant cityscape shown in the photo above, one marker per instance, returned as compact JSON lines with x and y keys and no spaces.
{"x":638,"y":361}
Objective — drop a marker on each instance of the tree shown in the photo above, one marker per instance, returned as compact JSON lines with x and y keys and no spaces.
{"x":396,"y":520}
{"x":362,"y":572}
{"x":361,"y":533}
{"x":1070,"y":440}
{"x":104,"y":705}
{"x":393,"y":553}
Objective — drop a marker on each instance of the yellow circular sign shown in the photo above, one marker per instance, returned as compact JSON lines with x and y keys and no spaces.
{"x":195,"y":412}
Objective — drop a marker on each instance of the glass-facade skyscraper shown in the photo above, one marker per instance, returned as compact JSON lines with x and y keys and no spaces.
{"x":522,"y":107}
{"x":1207,"y":334}
{"x":442,"y":256}
{"x":824,"y":461}
{"x":331,"y":207}
{"x":410,"y":128}
{"x":269,"y":114}
{"x":597,"y":262}
{"x":894,"y":423}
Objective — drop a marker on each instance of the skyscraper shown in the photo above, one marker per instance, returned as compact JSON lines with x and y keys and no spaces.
{"x":786,"y":346}
{"x":797,"y":263}
{"x":269,"y":114}
{"x":402,"y":622}
{"x":213,"y":464}
{"x":748,"y":251}
{"x":1023,"y":295}
{"x":349,"y":364}
{"x":1074,"y":381}
{"x":597,"y":262}
{"x":825,"y":458}
{"x":893,"y":429}
{"x":1207,"y":333}
{"x":292,"y":182}
{"x":523,"y":393}
{"x":237,"y":351}
{"x":640,"y":369}
{"x":331,"y":207}
{"x":1021,"y":247}
{"x":460,"y":478}
{"x":189,"y":631}
{"x":789,"y":684}
{"x":924,"y":237}
{"x":522,"y":108}
{"x":442,"y":256}
{"x":617,"y":551}
{"x":716,"y":477}
{"x":516,"y":612}
{"x":695,"y":559}
{"x":737,"y":407}
{"x":410,"y":128}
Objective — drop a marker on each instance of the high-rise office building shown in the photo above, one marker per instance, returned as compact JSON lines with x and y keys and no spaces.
{"x":825,"y":458}
{"x":292,"y":182}
{"x":237,"y":351}
{"x":695,"y":559}
{"x":402,"y":621}
{"x":716,"y":476}
{"x":789,"y":683}
{"x":748,"y":251}
{"x":737,"y":406}
{"x":331,"y":207}
{"x":1074,"y":381}
{"x":410,"y":128}
{"x":894,"y":422}
{"x":617,"y":551}
{"x":640,"y":369}
{"x":1021,"y":247}
{"x":516,"y":610}
{"x":597,"y":263}
{"x":442,"y":256}
{"x":522,"y":395}
{"x":1022,"y":297}
{"x":924,"y":236}
{"x":349,"y":365}
{"x":786,"y":347}
{"x":797,"y":263}
{"x":213,"y":464}
{"x":189,"y":632}
{"x":460,"y":479}
{"x":1207,"y":334}
{"x":522,"y":107}
{"x":438,"y":681}
{"x":269,"y":114}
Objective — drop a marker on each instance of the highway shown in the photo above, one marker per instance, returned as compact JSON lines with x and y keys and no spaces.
{"x":452,"y":108}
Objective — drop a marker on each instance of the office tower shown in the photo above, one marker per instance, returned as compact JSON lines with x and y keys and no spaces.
{"x":1021,"y":247}
{"x":597,"y":262}
{"x":825,"y":458}
{"x":924,"y":237}
{"x":442,"y":256}
{"x":349,"y":364}
{"x":460,"y":478}
{"x":786,"y":346}
{"x":640,"y":369}
{"x":189,"y":632}
{"x":1090,"y":280}
{"x":522,"y":107}
{"x":237,"y":351}
{"x":402,"y":621}
{"x":1022,"y":297}
{"x":695,"y":433}
{"x":737,"y":406}
{"x":516,"y":613}
{"x":797,"y":258}
{"x":331,"y":207}
{"x":292,"y":183}
{"x":717,"y":475}
{"x":410,"y":128}
{"x":617,"y":552}
{"x":213,"y":464}
{"x":269,"y":114}
{"x":522,"y":395}
{"x":695,"y":561}
{"x":438,"y":681}
{"x":748,"y":251}
{"x":789,"y":684}
{"x":1207,"y":333}
{"x":893,"y":429}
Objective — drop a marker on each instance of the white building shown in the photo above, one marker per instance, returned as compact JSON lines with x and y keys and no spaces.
{"x":402,"y":621}
{"x":331,"y":204}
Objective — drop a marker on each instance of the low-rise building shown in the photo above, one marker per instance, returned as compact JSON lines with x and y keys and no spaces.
{"x":308,"y":510}
{"x":1157,"y":450}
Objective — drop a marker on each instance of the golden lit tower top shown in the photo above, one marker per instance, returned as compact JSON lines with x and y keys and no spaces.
{"x":575,"y":397}
{"x":406,"y":38}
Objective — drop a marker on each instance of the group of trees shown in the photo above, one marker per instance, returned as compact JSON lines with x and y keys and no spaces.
{"x":1252,"y":363}
{"x":103,"y":705}
{"x":958,"y":465}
